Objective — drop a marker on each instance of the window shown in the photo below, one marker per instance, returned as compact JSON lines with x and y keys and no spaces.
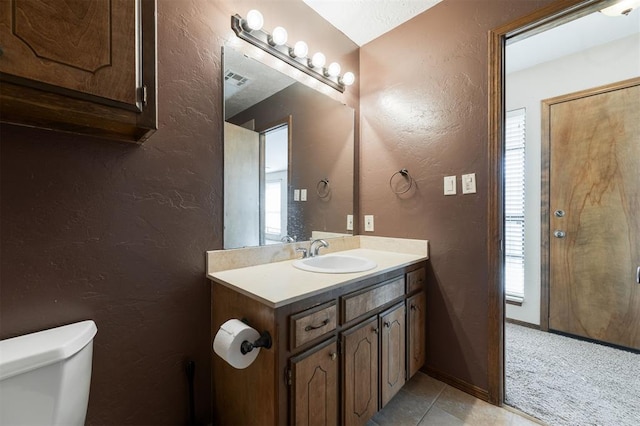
{"x":514,"y":204}
{"x":273,"y":204}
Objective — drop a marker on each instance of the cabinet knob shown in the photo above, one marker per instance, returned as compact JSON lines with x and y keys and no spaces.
{"x":387,"y":324}
{"x":375,"y":330}
{"x":333,"y":356}
{"x":413,"y":307}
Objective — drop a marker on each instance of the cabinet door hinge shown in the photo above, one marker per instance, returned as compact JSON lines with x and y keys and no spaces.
{"x":288,"y":376}
{"x":142,"y":95}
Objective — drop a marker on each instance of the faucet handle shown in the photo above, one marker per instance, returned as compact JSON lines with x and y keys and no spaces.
{"x":303,"y":250}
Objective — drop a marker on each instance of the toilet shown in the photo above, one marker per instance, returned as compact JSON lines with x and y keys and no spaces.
{"x":45,"y":376}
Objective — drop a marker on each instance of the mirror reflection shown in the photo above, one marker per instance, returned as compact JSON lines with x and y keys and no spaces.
{"x":288,"y":157}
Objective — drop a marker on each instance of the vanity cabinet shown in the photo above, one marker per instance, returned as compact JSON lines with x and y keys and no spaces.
{"x":84,"y":66}
{"x":393,"y":372}
{"x":360,"y":378}
{"x":337,"y":357}
{"x":314,"y":385}
{"x":416,"y":332}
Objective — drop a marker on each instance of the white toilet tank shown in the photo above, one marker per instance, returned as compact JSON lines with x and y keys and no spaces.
{"x":45,"y":376}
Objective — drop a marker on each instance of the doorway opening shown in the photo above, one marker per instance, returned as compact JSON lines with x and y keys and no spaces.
{"x":524,"y":242}
{"x":275,"y":179}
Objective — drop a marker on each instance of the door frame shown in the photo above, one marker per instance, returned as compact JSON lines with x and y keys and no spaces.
{"x":550,"y":16}
{"x":545,"y":239}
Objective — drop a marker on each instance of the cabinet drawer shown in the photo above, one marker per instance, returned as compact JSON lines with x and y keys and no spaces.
{"x":415,"y":280}
{"x":361,"y":302}
{"x":312,"y":323}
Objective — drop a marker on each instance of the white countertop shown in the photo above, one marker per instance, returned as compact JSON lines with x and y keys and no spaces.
{"x":280,"y":283}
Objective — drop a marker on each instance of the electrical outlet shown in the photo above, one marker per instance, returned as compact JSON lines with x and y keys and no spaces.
{"x":469,"y":183}
{"x":449,"y":185}
{"x":349,"y":222}
{"x":368,"y":222}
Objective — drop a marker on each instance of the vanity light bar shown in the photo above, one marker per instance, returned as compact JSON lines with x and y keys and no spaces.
{"x":250,"y":30}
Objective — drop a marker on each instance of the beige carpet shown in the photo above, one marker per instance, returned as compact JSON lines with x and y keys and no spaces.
{"x":566,"y":381}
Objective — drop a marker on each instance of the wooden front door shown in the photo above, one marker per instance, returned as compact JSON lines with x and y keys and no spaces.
{"x":593,"y":141}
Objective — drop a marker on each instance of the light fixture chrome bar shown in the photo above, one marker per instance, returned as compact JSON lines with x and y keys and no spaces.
{"x":259,"y":38}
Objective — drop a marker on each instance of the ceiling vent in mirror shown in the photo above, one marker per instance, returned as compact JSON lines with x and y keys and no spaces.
{"x":234,"y":79}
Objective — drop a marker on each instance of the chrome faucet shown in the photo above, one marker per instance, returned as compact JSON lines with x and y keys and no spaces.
{"x":314,"y":249}
{"x":288,"y":239}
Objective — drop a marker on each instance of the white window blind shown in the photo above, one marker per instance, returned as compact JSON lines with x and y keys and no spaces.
{"x":514,"y":202}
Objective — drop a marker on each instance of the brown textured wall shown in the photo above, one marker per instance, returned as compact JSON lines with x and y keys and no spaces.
{"x":424,"y":107}
{"x":322,"y":132}
{"x":117,"y":233}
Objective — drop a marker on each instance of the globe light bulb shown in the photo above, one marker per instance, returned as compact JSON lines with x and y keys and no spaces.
{"x":333,"y":70}
{"x":255,"y":21}
{"x":301,"y":49}
{"x":318,"y":60}
{"x":348,"y":78}
{"x":279,"y":37}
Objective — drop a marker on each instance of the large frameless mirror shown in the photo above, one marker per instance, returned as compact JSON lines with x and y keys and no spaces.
{"x":288,"y":157}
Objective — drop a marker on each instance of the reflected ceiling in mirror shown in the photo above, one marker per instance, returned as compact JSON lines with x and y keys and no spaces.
{"x":310,"y":195}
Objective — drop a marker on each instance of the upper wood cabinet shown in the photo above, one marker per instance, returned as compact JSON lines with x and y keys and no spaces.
{"x":82,"y":66}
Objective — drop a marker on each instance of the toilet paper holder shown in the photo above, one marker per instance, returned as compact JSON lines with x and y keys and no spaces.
{"x":264,"y":341}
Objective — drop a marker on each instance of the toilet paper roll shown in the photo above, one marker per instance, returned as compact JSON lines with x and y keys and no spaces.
{"x":228,"y":340}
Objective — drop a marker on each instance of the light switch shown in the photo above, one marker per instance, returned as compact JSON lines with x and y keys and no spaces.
{"x":303,"y":195}
{"x":469,"y":183}
{"x":296,"y":195}
{"x":368,"y":222}
{"x":449,"y":185}
{"x":349,"y":222}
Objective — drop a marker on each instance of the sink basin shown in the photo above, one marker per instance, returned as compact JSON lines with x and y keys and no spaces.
{"x":335,"y":264}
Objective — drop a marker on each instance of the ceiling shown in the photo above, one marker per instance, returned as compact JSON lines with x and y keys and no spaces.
{"x":365,"y":20}
{"x":580,"y":34}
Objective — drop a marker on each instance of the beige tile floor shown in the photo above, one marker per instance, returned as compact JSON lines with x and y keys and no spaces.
{"x":427,"y":401}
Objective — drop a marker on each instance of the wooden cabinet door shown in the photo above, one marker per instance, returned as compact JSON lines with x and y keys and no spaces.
{"x":314,"y":397}
{"x":86,"y":47}
{"x":416,"y":346}
{"x":360,"y":378}
{"x":393,"y":352}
